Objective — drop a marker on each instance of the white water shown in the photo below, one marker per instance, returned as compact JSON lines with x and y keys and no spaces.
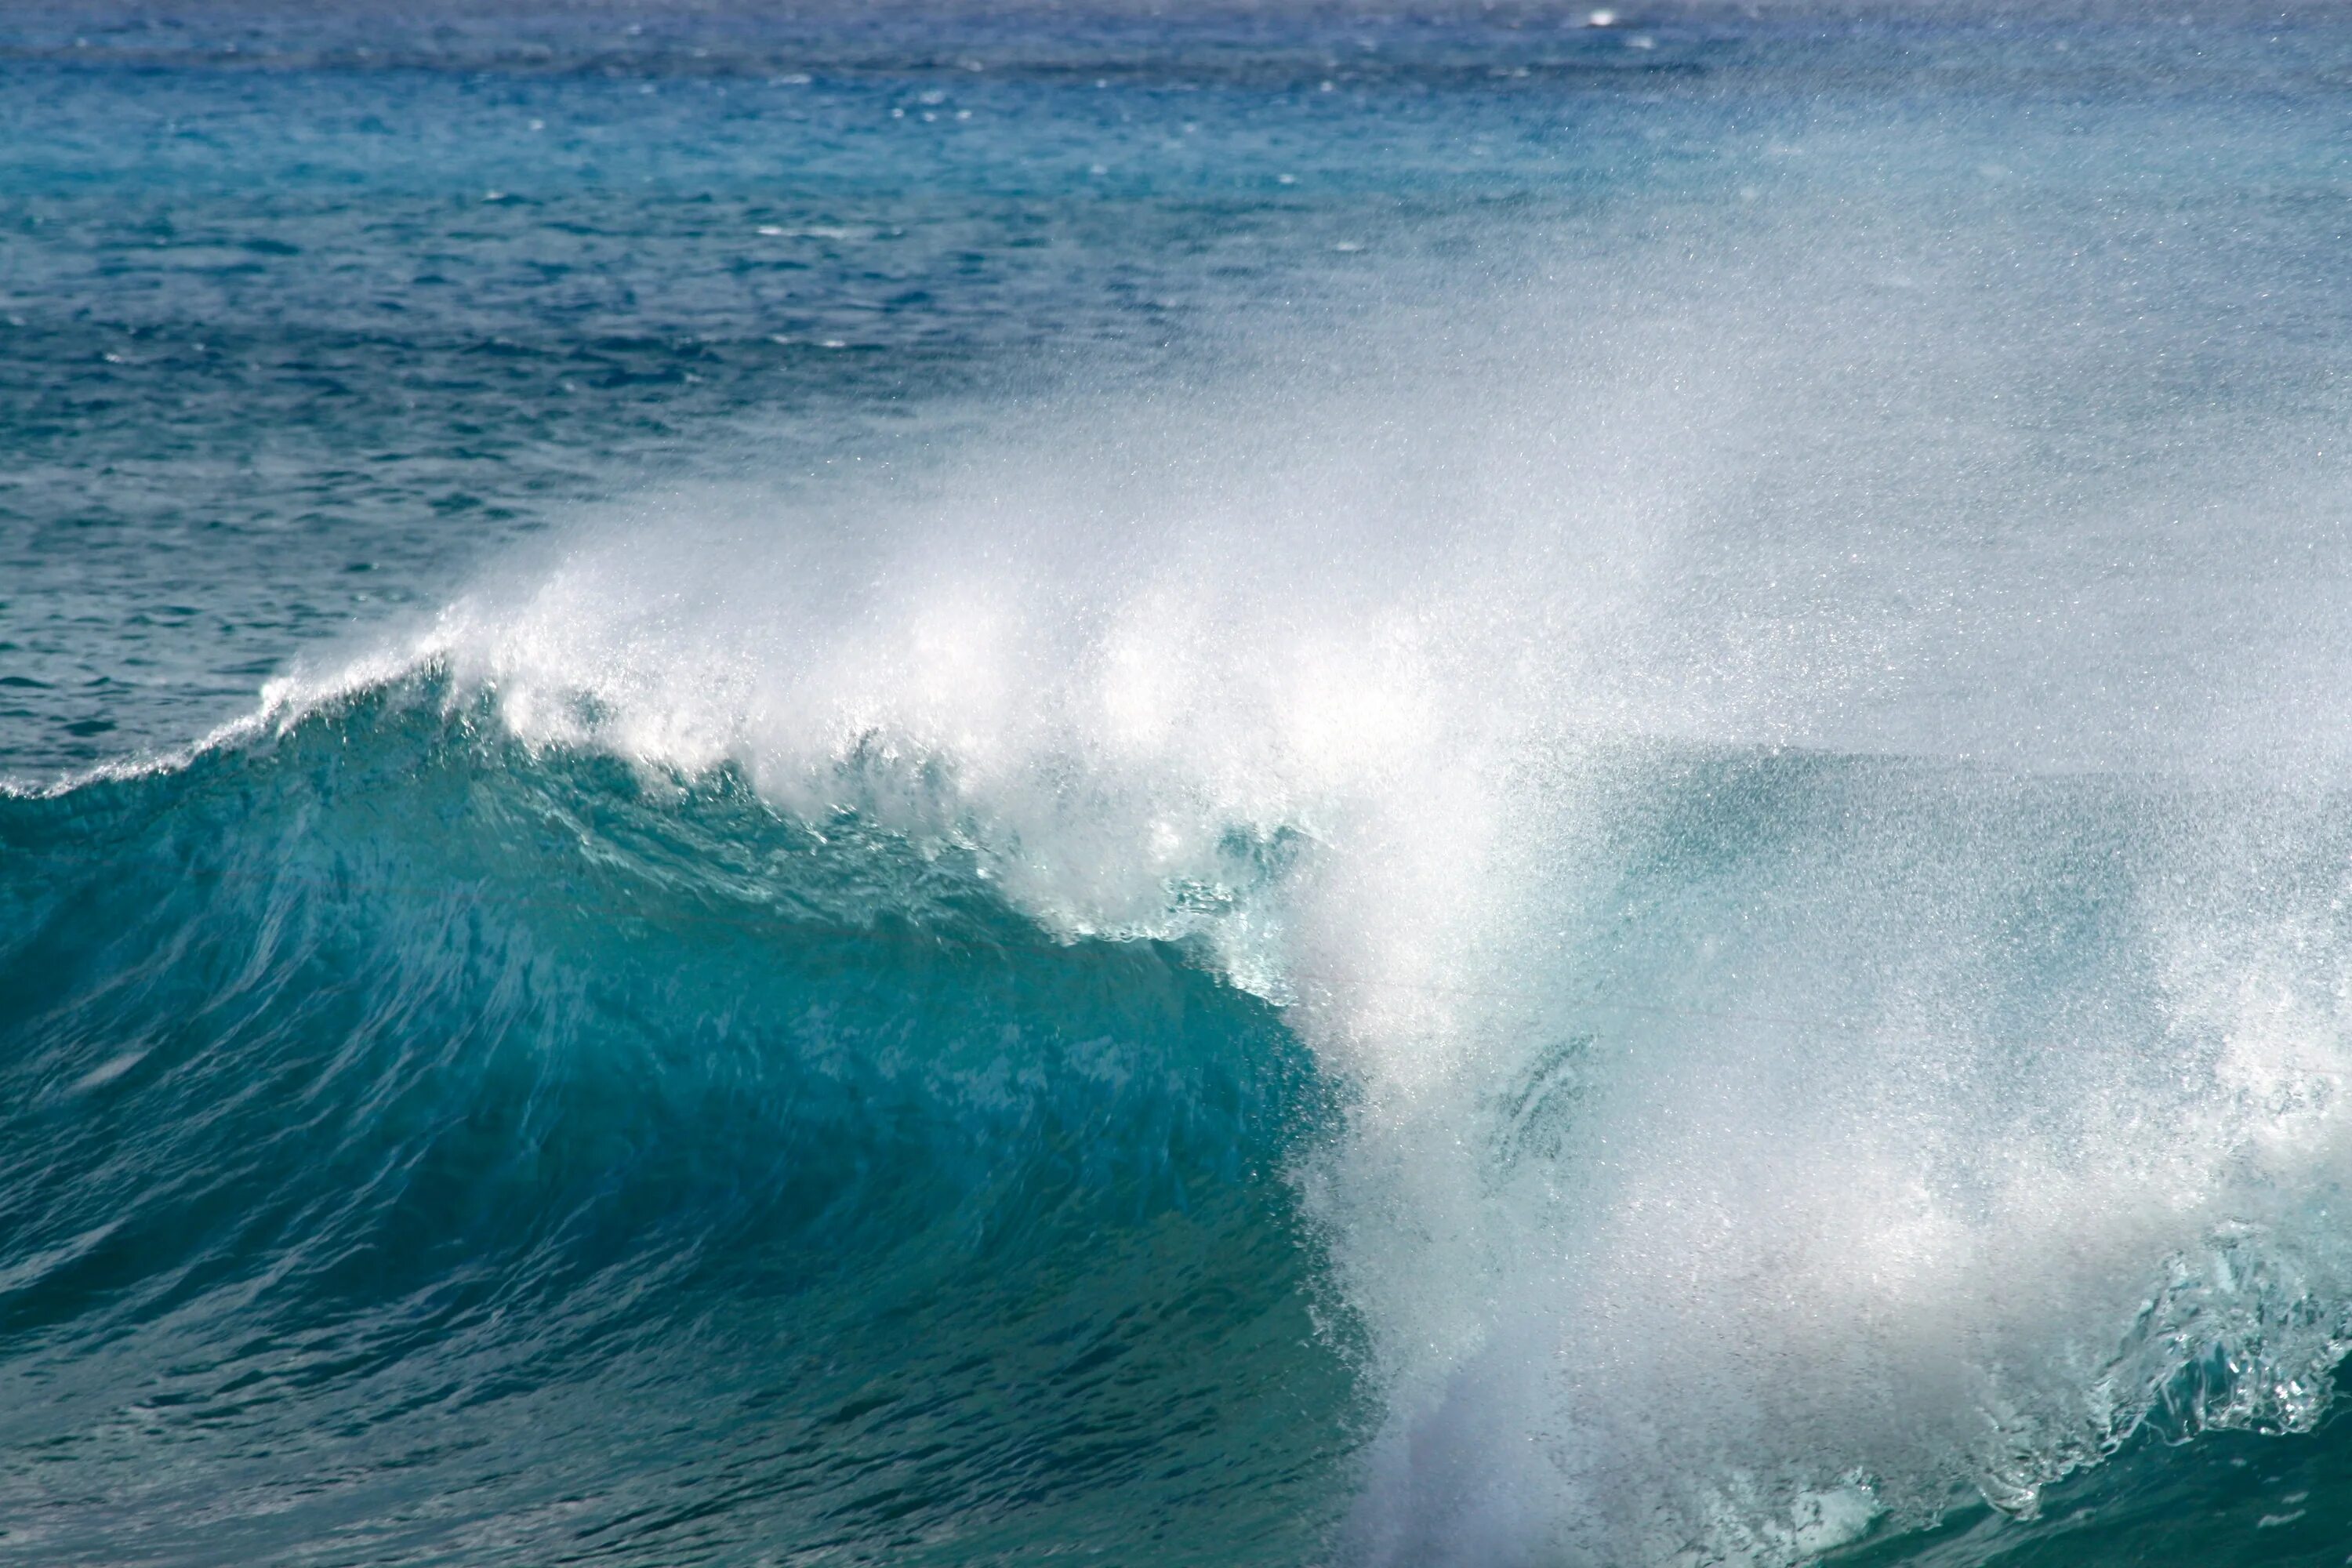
{"x":1741,"y":1150}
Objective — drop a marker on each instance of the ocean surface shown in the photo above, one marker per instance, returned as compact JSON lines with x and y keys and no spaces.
{"x":1317,"y":783}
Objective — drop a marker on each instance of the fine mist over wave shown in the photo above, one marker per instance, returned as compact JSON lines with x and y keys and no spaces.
{"x":1781,"y":788}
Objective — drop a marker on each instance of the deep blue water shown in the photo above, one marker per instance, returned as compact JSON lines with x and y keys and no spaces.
{"x":1236,"y":785}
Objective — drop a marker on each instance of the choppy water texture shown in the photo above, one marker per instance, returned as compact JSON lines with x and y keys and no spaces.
{"x":1238,"y":785}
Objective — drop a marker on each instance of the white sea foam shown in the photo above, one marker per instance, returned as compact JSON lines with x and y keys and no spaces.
{"x":1803,"y":1064}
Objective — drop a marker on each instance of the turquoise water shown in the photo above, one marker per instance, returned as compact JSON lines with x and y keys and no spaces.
{"x":1247,"y":784}
{"x":416,"y":1210}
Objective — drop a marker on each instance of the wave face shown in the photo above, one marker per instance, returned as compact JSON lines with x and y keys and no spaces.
{"x":423,"y":1151}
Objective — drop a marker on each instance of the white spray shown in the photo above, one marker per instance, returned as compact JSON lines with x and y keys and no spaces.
{"x":1803,"y":1064}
